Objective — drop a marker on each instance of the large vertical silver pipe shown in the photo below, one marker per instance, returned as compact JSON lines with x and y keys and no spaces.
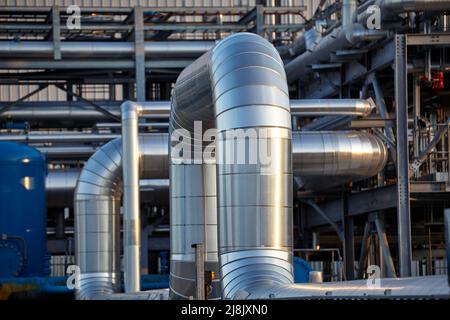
{"x":131,"y":203}
{"x":193,"y":202}
{"x":241,"y":85}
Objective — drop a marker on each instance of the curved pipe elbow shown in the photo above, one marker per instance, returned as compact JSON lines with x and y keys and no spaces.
{"x":240,"y":85}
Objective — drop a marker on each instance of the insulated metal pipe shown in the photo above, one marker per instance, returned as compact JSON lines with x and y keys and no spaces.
{"x":333,"y":158}
{"x":97,"y":203}
{"x":76,"y":111}
{"x":320,"y":160}
{"x":323,"y":107}
{"x":74,"y":49}
{"x":58,"y":136}
{"x":241,"y":84}
{"x":131,"y":202}
{"x":60,"y":186}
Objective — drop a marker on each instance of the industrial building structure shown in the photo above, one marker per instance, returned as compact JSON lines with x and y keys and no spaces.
{"x":353,"y":97}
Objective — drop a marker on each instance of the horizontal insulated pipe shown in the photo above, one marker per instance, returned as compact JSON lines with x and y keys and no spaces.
{"x":60,"y":186}
{"x":239,"y":84}
{"x":79,"y":111}
{"x":73,"y":49}
{"x":323,"y":107}
{"x":97,"y":202}
{"x":317,"y":156}
{"x":333,"y":158}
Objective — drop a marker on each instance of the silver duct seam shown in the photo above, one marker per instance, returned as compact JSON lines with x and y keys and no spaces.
{"x":97,"y":204}
{"x":241,"y":84}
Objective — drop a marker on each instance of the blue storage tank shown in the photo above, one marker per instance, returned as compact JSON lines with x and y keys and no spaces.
{"x":23,"y":251}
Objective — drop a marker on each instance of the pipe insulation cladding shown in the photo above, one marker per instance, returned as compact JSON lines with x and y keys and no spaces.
{"x":320,"y":160}
{"x":97,"y":219}
{"x":239,"y":84}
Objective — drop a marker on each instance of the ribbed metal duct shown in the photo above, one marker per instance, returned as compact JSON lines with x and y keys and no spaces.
{"x":97,"y":202}
{"x":74,"y":49}
{"x":238,"y":84}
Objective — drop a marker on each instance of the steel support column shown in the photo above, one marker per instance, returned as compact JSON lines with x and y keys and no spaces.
{"x":447,"y":240}
{"x":200,"y":270}
{"x":349,"y":242}
{"x":403,"y":206}
{"x":56,"y":33}
{"x":139,"y":53}
{"x":386,"y":252}
{"x":364,"y":250}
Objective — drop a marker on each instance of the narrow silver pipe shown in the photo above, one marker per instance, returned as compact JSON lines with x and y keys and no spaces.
{"x":131,"y":202}
{"x":241,"y":84}
{"x":78,"y":111}
{"x":58,"y":136}
{"x":73,"y":49}
{"x":322,"y":107}
{"x":150,"y":125}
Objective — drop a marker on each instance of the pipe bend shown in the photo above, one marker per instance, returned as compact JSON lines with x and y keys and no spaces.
{"x":237,"y":87}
